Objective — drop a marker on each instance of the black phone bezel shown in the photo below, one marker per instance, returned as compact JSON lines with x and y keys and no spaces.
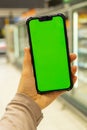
{"x":67,"y":48}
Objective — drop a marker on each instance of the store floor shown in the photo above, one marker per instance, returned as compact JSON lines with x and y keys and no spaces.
{"x":55,"y":116}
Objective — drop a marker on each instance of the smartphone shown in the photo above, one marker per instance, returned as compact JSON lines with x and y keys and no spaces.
{"x":50,"y":53}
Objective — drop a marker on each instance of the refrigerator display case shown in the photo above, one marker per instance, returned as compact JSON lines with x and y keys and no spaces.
{"x":80,"y":48}
{"x":22,"y":42}
{"x":78,"y":24}
{"x":82,"y":39}
{"x":9,"y":36}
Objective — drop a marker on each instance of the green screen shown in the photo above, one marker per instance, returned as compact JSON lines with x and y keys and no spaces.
{"x":49,"y":50}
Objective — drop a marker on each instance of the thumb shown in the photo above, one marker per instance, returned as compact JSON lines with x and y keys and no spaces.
{"x":27,"y":57}
{"x":27,"y":65}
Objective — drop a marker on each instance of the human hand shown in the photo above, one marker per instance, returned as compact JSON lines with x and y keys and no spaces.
{"x":27,"y":82}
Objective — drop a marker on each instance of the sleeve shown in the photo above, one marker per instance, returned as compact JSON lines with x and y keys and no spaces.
{"x":22,"y":113}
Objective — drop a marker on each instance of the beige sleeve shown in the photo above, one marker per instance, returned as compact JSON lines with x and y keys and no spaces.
{"x":22,"y":113}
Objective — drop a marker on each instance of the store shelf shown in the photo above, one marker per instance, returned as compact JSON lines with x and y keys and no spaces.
{"x":82,"y":50}
{"x":82,"y":36}
{"x":82,"y":65}
{"x":82,"y":33}
{"x":83,"y":21}
{"x":83,"y":42}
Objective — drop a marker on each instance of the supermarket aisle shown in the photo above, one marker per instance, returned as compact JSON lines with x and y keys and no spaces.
{"x":55,"y":117}
{"x":9,"y":77}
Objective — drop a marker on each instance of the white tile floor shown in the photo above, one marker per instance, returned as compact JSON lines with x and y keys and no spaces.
{"x":55,"y":118}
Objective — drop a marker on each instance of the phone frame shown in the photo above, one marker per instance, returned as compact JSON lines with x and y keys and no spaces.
{"x":67,"y":49}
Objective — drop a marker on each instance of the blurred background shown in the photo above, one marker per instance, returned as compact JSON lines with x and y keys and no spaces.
{"x":69,"y":112}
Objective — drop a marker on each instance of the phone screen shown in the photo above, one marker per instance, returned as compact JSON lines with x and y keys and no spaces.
{"x":50,"y":54}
